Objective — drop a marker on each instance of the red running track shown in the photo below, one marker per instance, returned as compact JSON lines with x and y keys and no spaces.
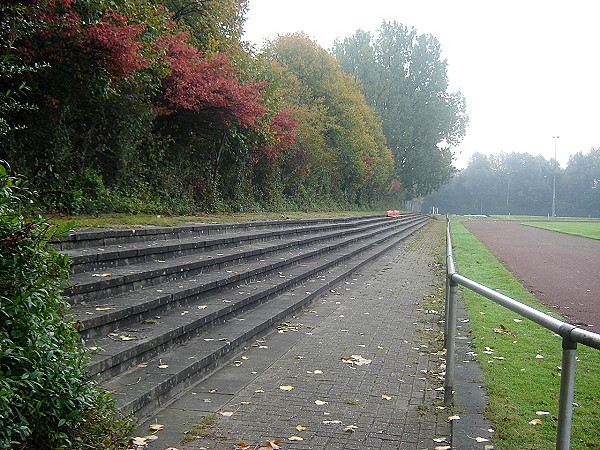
{"x":562,"y":271}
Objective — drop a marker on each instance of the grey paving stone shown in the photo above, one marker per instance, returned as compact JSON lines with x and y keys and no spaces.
{"x":375,"y":313}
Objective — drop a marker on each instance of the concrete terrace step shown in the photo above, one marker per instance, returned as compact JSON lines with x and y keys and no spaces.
{"x":133,"y":344}
{"x":148,"y":385}
{"x":166,"y":323}
{"x":99,"y":316}
{"x":98,"y":285}
{"x":88,"y":239}
{"x":97,"y":256}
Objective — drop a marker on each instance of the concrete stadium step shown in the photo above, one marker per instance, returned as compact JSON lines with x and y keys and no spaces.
{"x":142,"y":319}
{"x":156,"y":379}
{"x":89,"y":285}
{"x":89,"y":239}
{"x":99,"y":316}
{"x":132,"y":246}
{"x":136,"y":343}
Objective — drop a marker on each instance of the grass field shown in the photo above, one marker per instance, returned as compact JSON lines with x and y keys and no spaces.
{"x":521,"y":360}
{"x":546,"y":219}
{"x":589,"y":230}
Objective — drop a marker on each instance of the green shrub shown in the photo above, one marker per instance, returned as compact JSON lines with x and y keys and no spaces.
{"x":46,"y":398}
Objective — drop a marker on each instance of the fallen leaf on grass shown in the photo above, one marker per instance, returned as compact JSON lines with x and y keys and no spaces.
{"x":501,"y":329}
{"x":535,"y":422}
{"x":538,"y":356}
{"x":542,"y":413}
{"x":286,"y":388}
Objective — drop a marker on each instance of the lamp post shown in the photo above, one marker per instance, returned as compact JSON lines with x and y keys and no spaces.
{"x":554,"y":179}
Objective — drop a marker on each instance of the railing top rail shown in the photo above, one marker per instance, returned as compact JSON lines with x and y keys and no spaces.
{"x":564,"y":329}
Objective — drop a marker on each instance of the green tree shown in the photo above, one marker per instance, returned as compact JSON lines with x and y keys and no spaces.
{"x":514,"y":183}
{"x":215,"y":25}
{"x":350,"y":135}
{"x":405,"y":80}
{"x":580,"y":185}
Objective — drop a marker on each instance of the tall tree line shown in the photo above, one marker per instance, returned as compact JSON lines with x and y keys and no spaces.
{"x":519,"y":183}
{"x":404,"y":78}
{"x":139,"y":105}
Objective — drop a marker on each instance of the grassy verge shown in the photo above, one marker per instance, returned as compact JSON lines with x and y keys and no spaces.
{"x":584,"y":229}
{"x":521,"y":360}
{"x":136,"y":220}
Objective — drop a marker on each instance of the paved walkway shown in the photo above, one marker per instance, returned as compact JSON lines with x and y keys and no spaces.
{"x":302,"y":388}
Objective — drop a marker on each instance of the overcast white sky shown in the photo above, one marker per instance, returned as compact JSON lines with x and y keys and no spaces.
{"x":529,"y":69}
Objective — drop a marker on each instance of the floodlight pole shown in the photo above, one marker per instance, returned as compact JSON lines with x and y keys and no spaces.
{"x":554,"y":180}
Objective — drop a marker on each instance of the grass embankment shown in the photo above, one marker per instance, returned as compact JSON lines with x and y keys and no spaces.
{"x":137,"y":220}
{"x":589,"y":230}
{"x":521,"y":360}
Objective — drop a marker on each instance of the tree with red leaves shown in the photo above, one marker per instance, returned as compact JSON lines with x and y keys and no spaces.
{"x":283,"y":130}
{"x":118,"y":44}
{"x":209,"y":86}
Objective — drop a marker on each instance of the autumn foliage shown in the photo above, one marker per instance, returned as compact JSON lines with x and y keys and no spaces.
{"x":153,"y":106}
{"x":209,"y":86}
{"x":117,"y":43}
{"x":283,"y":129}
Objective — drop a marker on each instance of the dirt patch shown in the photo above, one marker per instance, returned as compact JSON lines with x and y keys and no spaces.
{"x":562,"y":271}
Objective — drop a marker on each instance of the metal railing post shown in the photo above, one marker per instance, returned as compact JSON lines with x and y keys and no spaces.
{"x":450,"y":319}
{"x":571,"y":336}
{"x":452,"y":292}
{"x":567,"y":390}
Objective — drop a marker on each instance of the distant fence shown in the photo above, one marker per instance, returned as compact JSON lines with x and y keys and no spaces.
{"x":571,"y":336}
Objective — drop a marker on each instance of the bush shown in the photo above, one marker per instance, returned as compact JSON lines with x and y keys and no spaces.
{"x":46,"y":398}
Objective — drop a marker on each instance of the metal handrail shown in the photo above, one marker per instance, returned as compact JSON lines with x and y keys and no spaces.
{"x":571,"y":336}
